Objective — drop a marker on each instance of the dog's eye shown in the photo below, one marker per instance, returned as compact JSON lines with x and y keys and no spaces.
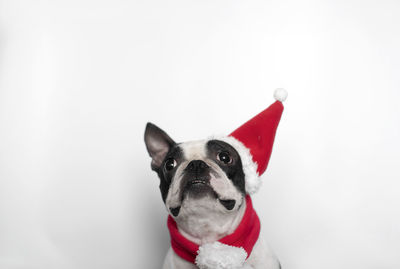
{"x":224,"y":157}
{"x":170,"y":164}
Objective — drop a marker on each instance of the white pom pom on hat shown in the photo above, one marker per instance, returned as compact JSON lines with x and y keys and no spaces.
{"x":280,"y":94}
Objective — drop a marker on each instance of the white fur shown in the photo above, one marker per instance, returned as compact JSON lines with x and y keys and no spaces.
{"x":205,"y":220}
{"x":252,"y":178}
{"x":194,"y":150}
{"x":220,"y":256}
{"x":280,"y":94}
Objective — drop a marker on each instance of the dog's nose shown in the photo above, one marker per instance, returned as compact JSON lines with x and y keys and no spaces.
{"x":197,"y":165}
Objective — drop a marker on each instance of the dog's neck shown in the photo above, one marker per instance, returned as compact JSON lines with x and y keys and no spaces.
{"x":200,"y":221}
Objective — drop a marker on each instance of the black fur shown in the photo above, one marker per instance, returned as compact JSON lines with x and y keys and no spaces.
{"x":175,"y":211}
{"x":166,"y":176}
{"x":234,"y":170}
{"x":228,"y":204}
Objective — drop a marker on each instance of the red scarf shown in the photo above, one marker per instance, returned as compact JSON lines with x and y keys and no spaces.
{"x":245,"y":235}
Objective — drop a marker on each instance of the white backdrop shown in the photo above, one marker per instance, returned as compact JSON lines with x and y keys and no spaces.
{"x":79,"y":80}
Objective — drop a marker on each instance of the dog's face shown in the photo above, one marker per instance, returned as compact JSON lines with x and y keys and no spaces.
{"x":209,"y":171}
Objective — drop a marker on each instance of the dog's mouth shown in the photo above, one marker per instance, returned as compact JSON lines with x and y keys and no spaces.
{"x":196,"y":182}
{"x":197,"y":187}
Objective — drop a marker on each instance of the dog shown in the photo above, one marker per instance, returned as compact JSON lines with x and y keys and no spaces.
{"x":205,"y":188}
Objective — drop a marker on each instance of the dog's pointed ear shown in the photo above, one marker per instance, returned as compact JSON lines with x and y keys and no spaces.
{"x":158,"y":143}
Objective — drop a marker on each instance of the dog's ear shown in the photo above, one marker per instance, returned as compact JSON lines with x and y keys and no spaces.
{"x":158,"y":143}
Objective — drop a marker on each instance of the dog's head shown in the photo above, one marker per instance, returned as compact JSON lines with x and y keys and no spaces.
{"x":198,"y":178}
{"x":206,"y":170}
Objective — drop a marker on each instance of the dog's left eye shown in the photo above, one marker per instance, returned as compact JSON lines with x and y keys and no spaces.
{"x":224,"y":157}
{"x":170,"y":164}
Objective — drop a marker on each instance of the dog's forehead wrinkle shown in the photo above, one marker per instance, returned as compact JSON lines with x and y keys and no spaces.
{"x":194,"y":149}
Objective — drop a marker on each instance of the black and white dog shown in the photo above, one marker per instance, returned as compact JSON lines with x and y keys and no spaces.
{"x":205,"y":186}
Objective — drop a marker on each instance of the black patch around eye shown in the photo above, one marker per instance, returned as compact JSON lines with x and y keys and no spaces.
{"x":170,"y":164}
{"x":233,"y":171}
{"x":165,"y":175}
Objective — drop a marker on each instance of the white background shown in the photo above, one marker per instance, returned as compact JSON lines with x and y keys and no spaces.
{"x":79,"y":80}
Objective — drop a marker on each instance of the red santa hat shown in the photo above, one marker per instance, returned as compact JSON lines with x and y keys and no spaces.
{"x":254,"y":140}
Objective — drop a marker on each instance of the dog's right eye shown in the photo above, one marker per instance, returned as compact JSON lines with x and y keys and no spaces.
{"x":224,"y":157}
{"x":170,"y":164}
